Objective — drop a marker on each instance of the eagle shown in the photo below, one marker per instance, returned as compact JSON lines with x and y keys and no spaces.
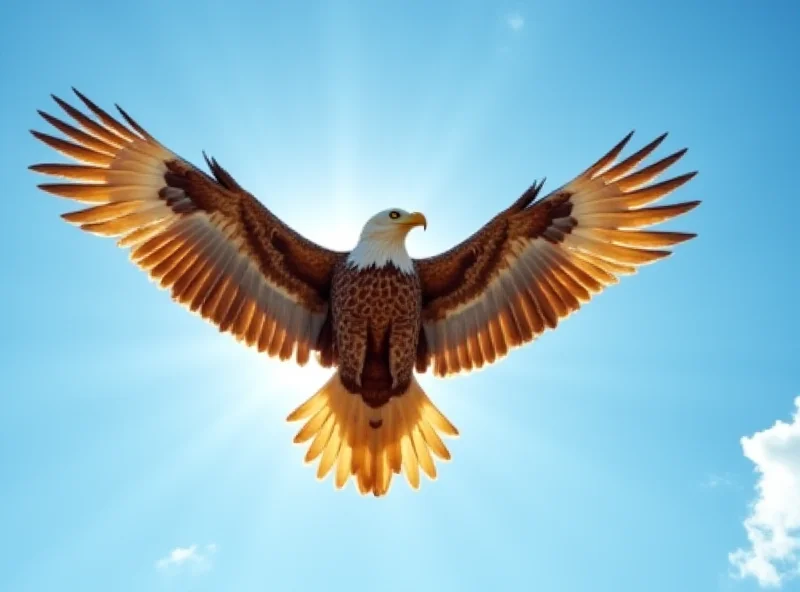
{"x":375,"y":315}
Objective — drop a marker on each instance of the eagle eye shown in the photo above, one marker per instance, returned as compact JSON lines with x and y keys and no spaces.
{"x":394,"y":214}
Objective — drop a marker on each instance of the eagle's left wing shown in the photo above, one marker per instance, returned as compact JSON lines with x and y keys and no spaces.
{"x":538,"y":261}
{"x":219,"y":251}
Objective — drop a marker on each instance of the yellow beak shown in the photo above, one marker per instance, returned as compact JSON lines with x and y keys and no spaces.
{"x":416,"y":219}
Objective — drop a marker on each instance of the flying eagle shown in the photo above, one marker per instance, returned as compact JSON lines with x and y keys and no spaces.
{"x":374,"y":314}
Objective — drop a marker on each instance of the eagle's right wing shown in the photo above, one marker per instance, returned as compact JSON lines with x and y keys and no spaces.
{"x":540,"y":260}
{"x":218,"y":249}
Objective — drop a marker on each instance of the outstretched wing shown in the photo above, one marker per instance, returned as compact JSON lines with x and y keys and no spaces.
{"x":218,"y":249}
{"x":538,"y":261}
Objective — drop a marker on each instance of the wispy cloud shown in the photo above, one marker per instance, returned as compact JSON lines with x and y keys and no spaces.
{"x":773,"y":526}
{"x":716,"y":480}
{"x":194,"y":558}
{"x":515,"y":21}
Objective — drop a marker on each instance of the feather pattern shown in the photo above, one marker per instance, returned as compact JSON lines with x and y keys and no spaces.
{"x":539,"y":261}
{"x":214,"y":246}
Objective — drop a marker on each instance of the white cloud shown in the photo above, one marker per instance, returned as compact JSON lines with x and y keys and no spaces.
{"x":515,"y":21}
{"x":773,"y":526}
{"x":195,"y":558}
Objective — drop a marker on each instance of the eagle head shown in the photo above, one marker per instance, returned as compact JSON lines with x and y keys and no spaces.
{"x":383,"y":240}
{"x":393,"y":224}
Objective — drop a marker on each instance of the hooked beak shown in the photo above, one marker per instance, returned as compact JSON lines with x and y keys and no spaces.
{"x":416,"y":219}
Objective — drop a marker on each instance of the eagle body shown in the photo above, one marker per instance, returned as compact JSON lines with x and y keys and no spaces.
{"x":374,"y":315}
{"x":376,"y":319}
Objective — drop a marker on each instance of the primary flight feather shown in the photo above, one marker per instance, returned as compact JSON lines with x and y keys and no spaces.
{"x":374,"y":314}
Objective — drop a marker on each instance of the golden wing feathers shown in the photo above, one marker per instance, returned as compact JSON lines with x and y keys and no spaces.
{"x":539,"y":261}
{"x":218,"y":250}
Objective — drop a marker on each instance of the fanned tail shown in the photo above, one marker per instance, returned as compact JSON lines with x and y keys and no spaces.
{"x":353,"y":439}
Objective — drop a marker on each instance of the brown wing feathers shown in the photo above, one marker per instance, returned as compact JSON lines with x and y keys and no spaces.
{"x":219,"y":251}
{"x":538,"y":262}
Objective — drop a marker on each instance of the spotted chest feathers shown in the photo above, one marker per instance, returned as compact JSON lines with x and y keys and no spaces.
{"x":376,"y":322}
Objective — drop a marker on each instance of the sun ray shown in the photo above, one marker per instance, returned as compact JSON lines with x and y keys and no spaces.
{"x":145,"y":491}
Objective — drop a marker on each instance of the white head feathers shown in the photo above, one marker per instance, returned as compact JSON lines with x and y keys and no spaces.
{"x":383,"y":240}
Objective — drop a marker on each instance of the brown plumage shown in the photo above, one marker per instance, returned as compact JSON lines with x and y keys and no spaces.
{"x":374,"y":314}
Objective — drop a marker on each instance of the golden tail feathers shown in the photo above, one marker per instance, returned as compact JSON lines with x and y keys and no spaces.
{"x":344,"y":437}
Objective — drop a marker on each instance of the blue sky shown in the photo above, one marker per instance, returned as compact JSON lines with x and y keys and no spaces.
{"x":141,"y":450}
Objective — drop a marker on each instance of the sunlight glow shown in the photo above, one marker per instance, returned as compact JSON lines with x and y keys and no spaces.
{"x":284,"y":384}
{"x":145,"y":492}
